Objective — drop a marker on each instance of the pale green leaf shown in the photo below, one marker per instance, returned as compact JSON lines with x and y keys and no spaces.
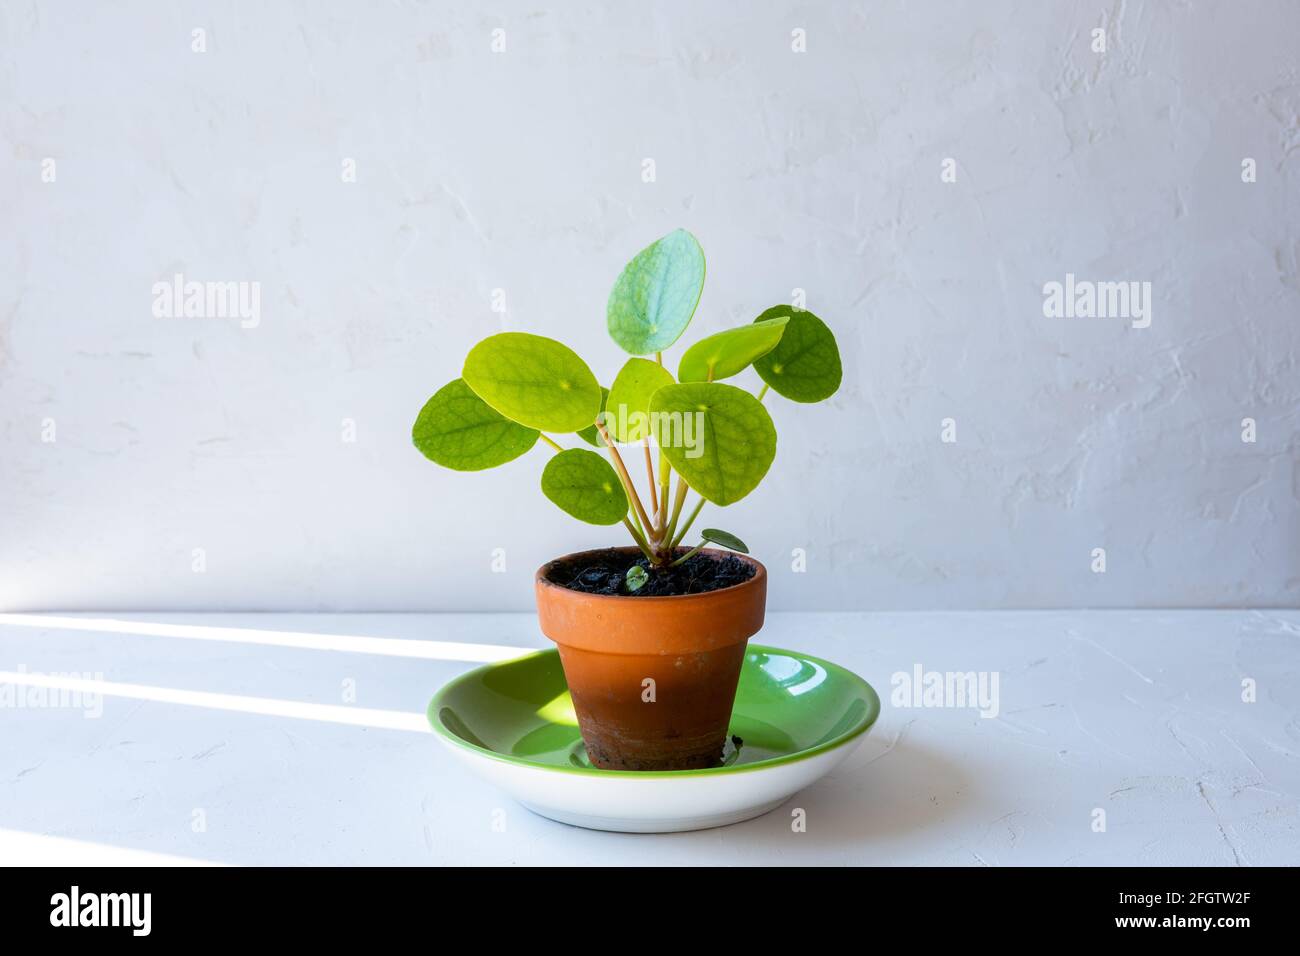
{"x":534,"y":381}
{"x":656,"y":294}
{"x":719,"y":438}
{"x":729,"y":353}
{"x":459,"y":430}
{"x":627,"y":414}
{"x":585,"y":485}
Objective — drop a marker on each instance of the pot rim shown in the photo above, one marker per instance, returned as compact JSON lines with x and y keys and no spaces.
{"x":758,"y":578}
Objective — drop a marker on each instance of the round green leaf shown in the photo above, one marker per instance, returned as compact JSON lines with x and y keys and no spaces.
{"x":805,"y":365}
{"x":729,"y":353}
{"x":534,"y":381}
{"x":627,"y":416}
{"x":719,"y":438}
{"x":724,"y":538}
{"x":584,"y":484}
{"x":636,"y":578}
{"x":656,"y":294}
{"x":459,"y":430}
{"x":589,"y":434}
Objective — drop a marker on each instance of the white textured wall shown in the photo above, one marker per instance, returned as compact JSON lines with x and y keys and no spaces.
{"x":522,"y":171}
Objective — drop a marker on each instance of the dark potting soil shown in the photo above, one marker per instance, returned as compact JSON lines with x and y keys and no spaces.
{"x":603,"y":572}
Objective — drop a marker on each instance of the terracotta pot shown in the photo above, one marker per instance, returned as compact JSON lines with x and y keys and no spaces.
{"x":690,"y":646}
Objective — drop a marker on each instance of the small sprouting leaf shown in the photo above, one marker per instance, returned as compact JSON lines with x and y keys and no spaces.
{"x":534,"y":381}
{"x":459,"y":430}
{"x":656,"y":294}
{"x":585,"y":485}
{"x":724,"y":538}
{"x":636,"y":578}
{"x":805,"y":365}
{"x":719,"y":438}
{"x":589,"y":434}
{"x":729,"y":353}
{"x":628,"y":412}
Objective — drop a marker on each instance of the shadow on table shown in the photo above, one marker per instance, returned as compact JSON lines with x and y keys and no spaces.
{"x":871,"y":800}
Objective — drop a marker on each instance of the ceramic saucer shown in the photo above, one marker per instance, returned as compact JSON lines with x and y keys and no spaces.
{"x":796,"y":717}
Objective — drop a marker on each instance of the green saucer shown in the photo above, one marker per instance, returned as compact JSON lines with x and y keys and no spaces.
{"x":789,"y":707}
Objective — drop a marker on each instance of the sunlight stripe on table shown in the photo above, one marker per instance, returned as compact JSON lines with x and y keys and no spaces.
{"x":350,"y":643}
{"x":18,"y":848}
{"x":263,"y":706}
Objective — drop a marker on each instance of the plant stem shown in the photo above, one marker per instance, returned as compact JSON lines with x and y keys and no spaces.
{"x":635,"y":520}
{"x":625,"y":477}
{"x":762,"y":391}
{"x":688,"y":555}
{"x":650,"y":476}
{"x":549,"y":442}
{"x":665,"y":479}
{"x":687,"y":527}
{"x":678,"y":501}
{"x":636,"y":536}
{"x":659,"y":357}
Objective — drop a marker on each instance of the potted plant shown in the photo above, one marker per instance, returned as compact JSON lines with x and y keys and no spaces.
{"x":652,"y":635}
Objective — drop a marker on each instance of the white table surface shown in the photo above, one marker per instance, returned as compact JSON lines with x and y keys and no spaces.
{"x":226,"y":738}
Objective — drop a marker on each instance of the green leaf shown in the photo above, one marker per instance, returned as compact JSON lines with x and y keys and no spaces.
{"x":805,"y":365}
{"x":729,"y":353}
{"x":459,"y":430}
{"x":534,"y":381}
{"x":584,"y":484}
{"x":636,"y":578}
{"x":628,"y":413}
{"x":719,"y":438}
{"x":589,"y":434}
{"x":724,"y":538}
{"x":656,"y":294}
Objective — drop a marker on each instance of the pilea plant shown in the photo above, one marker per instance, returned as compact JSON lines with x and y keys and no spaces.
{"x":517,"y":388}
